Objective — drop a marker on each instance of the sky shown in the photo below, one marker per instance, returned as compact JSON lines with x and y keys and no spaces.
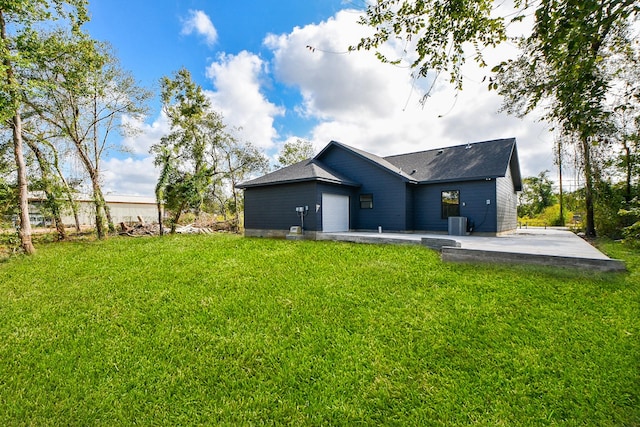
{"x":281,"y":71}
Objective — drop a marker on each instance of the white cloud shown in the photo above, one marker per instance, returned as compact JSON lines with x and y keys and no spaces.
{"x":351,"y":96}
{"x":362,"y":102}
{"x":135,"y":173}
{"x":136,"y":177}
{"x":238,"y":96}
{"x":144,"y":135}
{"x":333,"y":81}
{"x":198,"y":22}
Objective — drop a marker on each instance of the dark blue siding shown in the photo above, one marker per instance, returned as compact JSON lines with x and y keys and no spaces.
{"x":388,"y":190}
{"x":397,"y":204}
{"x":410,"y":202}
{"x":473,"y":205}
{"x":273,"y":207}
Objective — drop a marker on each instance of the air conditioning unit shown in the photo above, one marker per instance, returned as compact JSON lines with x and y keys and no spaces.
{"x":457,"y":225}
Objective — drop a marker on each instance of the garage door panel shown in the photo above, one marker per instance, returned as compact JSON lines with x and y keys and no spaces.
{"x":335,"y":212}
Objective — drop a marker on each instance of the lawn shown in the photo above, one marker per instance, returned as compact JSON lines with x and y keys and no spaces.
{"x":223,"y":330}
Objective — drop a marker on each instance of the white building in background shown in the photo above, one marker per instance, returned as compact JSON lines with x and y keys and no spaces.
{"x":125,"y":209}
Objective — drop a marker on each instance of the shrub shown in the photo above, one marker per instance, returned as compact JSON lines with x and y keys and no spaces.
{"x":550,"y":216}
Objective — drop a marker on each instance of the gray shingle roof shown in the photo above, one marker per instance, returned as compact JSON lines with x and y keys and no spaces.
{"x":480,"y":160}
{"x":306,"y":170}
{"x":488,"y":159}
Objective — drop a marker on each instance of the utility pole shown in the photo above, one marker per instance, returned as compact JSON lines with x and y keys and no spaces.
{"x":559,"y":154}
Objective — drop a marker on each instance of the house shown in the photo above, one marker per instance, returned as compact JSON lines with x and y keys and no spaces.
{"x":125,"y":209}
{"x":344,"y":188}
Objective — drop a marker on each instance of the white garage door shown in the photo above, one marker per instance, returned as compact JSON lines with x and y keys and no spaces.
{"x":335,"y":213}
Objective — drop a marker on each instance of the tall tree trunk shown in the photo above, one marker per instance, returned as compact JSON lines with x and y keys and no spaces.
{"x":99,"y":204}
{"x":76,"y":218}
{"x":70,"y":199}
{"x":98,"y":198}
{"x":176,"y":217}
{"x":560,"y":181}
{"x":55,"y":211}
{"x":629,"y":173}
{"x":23,"y":189}
{"x":590,"y":230}
{"x":65,"y":185}
{"x":96,"y":162}
{"x":16,"y":127}
{"x":236,"y":213}
{"x":54,"y":205}
{"x":160,"y":218}
{"x":107,"y":211}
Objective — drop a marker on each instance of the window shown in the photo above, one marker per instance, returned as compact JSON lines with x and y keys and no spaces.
{"x":450,"y":203}
{"x":366,"y":201}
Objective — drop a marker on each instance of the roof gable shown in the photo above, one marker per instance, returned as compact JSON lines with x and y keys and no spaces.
{"x":371,"y":158}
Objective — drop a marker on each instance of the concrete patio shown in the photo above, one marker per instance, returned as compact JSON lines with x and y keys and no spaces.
{"x":542,"y":246}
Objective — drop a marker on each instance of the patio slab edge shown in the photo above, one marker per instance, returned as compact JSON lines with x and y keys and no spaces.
{"x":454,"y":254}
{"x":375,"y":239}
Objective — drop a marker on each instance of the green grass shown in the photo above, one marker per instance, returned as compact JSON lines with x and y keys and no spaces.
{"x":201,"y":330}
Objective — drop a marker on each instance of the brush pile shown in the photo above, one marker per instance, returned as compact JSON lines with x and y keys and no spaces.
{"x":139,"y":229}
{"x":200,"y":227}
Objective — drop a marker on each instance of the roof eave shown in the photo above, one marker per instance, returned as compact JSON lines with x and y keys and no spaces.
{"x":299,"y":180}
{"x":475,"y":178}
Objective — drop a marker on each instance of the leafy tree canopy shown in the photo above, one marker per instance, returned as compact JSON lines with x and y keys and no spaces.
{"x":537,"y":194}
{"x":294,"y":152}
{"x":439,"y":31}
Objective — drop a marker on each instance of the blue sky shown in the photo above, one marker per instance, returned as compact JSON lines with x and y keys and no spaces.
{"x":253,"y":61}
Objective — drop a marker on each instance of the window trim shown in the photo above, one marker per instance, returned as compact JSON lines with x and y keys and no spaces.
{"x":446,"y":208}
{"x":366,"y":201}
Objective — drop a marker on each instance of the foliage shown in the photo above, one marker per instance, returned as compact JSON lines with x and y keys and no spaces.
{"x":347,"y":334}
{"x":563,"y":60}
{"x":625,"y":103}
{"x":537,"y":194}
{"x":613,"y":215}
{"x":188,"y":155}
{"x":439,"y":31}
{"x":201,"y":162}
{"x":8,"y":200}
{"x":22,"y":24}
{"x":82,"y":99}
{"x":8,"y":194}
{"x":19,"y":46}
{"x":549,"y":217}
{"x":631,"y":233}
{"x":561,"y":68}
{"x":294,"y":152}
{"x":611,"y":199}
{"x":240,"y":162}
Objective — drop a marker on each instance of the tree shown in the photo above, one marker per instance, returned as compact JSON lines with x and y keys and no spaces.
{"x":49,"y":185}
{"x":19,"y":42}
{"x":626,"y":119}
{"x":86,"y":95}
{"x":537,"y":194}
{"x":7,"y":188}
{"x":240,"y":161}
{"x":189,"y":154}
{"x":561,"y":63}
{"x":294,"y":152}
{"x":563,"y":66}
{"x":438,"y":30}
{"x":164,"y":161}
